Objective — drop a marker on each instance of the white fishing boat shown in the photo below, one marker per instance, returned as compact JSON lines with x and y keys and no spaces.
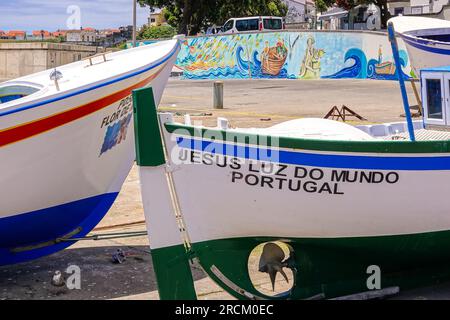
{"x":328,"y":202}
{"x":427,"y":40}
{"x":67,"y":145}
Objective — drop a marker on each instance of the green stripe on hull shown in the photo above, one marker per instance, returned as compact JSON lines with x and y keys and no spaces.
{"x":337,"y":267}
{"x":171,"y":264}
{"x":149,"y":147}
{"x":395,"y":147}
{"x":173,"y":273}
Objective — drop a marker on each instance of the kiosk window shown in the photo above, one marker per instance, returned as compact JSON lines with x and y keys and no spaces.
{"x":434,"y":98}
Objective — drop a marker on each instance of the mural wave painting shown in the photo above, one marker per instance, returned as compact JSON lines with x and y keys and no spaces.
{"x":376,"y":69}
{"x":357,"y":70}
{"x":219,"y":73}
{"x":379,"y":70}
{"x":291,"y":55}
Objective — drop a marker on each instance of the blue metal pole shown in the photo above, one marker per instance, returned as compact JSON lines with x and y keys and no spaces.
{"x":134,"y":23}
{"x":401,"y":81}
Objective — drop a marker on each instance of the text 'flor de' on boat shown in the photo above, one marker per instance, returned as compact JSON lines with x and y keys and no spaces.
{"x":67,"y":145}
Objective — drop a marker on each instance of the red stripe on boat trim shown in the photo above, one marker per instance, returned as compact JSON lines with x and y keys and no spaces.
{"x":28,"y":130}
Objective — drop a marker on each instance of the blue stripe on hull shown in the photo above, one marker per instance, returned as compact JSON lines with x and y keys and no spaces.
{"x":49,"y":224}
{"x":319,"y":160}
{"x":425,"y":47}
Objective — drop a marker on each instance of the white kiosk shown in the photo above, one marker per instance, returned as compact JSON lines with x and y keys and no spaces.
{"x":435,"y":84}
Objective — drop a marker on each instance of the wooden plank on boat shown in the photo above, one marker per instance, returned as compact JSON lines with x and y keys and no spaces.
{"x":101,"y":54}
{"x":417,"y":95}
{"x":432,"y":134}
{"x":370,"y":295}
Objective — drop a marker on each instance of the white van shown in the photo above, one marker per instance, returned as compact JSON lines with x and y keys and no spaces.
{"x":252,"y":24}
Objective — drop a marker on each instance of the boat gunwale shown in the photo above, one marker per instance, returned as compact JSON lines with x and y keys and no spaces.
{"x":375,"y":146}
{"x":421,"y":40}
{"x":89,"y":87}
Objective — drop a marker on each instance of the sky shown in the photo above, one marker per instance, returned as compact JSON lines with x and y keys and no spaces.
{"x":51,"y":15}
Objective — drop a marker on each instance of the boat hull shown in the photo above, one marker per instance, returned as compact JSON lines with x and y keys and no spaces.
{"x":329,"y":268}
{"x":63,"y":163}
{"x":426,"y":54}
{"x":318,"y":191}
{"x":426,"y":39}
{"x":342,"y":207}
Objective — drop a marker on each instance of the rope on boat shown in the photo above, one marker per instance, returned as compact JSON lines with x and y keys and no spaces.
{"x":106,"y":236}
{"x":121,"y":225}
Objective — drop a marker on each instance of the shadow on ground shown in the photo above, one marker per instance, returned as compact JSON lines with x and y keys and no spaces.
{"x":101,"y":278}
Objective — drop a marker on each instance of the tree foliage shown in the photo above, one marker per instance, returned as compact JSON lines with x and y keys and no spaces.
{"x":192,"y":16}
{"x":156,"y":32}
{"x":323,"y":5}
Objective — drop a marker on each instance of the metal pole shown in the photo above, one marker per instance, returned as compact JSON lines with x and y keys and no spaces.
{"x":134,"y":23}
{"x":218,"y":95}
{"x":401,"y":81}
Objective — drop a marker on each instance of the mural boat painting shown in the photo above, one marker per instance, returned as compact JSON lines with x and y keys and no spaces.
{"x":67,"y":145}
{"x":324,"y":201}
{"x":385,"y":68}
{"x":273,"y":59}
{"x":427,"y":40}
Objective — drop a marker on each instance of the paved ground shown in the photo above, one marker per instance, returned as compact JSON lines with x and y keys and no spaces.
{"x":261,"y":103}
{"x":248,"y":103}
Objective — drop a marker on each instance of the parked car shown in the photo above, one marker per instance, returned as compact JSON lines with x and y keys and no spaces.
{"x":252,"y":24}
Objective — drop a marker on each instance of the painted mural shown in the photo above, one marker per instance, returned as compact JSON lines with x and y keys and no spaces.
{"x":291,"y":55}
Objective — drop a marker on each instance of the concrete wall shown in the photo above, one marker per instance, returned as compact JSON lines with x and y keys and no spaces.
{"x":20,"y":59}
{"x":299,"y":55}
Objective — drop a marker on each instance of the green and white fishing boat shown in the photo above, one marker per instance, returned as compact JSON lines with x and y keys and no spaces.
{"x":329,"y":205}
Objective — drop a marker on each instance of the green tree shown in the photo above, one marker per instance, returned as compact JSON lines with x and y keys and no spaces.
{"x":191,"y":16}
{"x":156,"y":32}
{"x":239,"y":8}
{"x":323,"y":5}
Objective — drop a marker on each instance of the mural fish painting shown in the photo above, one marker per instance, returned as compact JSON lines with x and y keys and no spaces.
{"x":290,"y":55}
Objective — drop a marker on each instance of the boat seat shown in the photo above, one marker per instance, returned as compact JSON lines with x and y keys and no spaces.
{"x":13,"y":91}
{"x":311,"y":128}
{"x":11,"y":97}
{"x":379,"y":130}
{"x":399,"y":127}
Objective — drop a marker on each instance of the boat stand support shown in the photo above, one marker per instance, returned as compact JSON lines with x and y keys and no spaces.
{"x":342,"y":114}
{"x":417,"y":95}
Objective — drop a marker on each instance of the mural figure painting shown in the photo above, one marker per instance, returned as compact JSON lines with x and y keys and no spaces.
{"x":310,"y":68}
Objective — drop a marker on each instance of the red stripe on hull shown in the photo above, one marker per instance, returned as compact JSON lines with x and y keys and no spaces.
{"x":28,"y":130}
